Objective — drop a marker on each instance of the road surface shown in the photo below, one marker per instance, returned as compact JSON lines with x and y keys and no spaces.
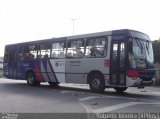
{"x":75,"y":101}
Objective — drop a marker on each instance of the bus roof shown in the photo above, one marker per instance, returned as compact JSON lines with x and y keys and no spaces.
{"x":125,"y":32}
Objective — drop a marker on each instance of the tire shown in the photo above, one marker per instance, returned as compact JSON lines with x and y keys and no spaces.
{"x":53,"y":84}
{"x":96,"y":83}
{"x":120,"y":89}
{"x":31,"y":79}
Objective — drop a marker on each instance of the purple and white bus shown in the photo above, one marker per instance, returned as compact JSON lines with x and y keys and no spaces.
{"x":114,"y":59}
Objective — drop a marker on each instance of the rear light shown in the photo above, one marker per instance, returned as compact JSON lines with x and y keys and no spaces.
{"x":132,"y":73}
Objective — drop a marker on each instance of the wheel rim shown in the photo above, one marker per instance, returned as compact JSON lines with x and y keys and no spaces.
{"x":95,"y":83}
{"x":30,"y":78}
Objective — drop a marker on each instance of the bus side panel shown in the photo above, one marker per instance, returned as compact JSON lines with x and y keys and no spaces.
{"x":58,"y":66}
{"x":23,"y":67}
{"x":32,"y":65}
{"x":28,"y":65}
{"x":47,"y":70}
{"x":42,"y":68}
{"x":78,"y":69}
{"x":75,"y":71}
{"x":98,"y":64}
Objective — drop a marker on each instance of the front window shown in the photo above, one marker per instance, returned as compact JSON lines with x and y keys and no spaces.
{"x":139,"y":50}
{"x":142,"y":53}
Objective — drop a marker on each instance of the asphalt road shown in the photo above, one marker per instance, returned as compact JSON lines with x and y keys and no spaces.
{"x":76,"y":101}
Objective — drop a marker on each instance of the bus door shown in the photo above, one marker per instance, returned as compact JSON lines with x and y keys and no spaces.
{"x":118,"y":63}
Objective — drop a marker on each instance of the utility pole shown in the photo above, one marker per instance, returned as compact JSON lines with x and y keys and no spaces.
{"x":73,"y":20}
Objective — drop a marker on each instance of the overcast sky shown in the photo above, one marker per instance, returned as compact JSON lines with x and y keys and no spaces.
{"x":26,"y":20}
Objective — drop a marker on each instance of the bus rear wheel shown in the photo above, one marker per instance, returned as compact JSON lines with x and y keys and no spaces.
{"x":120,"y":89}
{"x":31,"y":79}
{"x":96,"y":83}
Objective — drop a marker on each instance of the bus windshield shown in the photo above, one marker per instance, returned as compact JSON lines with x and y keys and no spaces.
{"x":142,"y":52}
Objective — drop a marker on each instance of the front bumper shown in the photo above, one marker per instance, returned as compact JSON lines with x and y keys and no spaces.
{"x":142,"y":83}
{"x":141,"y":78}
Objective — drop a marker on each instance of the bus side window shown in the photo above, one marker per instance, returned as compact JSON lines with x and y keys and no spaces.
{"x":75,"y":49}
{"x":21,"y":55}
{"x":28,"y":52}
{"x":32,"y":51}
{"x":44,"y":51}
{"x":58,"y":50}
{"x":95,"y":47}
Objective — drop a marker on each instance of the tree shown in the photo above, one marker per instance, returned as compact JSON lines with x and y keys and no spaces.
{"x":156,"y":50}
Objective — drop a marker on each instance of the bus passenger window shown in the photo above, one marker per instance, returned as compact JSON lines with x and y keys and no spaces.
{"x":21,"y":55}
{"x":95,"y":47}
{"x":28,"y":52}
{"x":32,"y":52}
{"x":75,"y":49}
{"x":58,"y":50}
{"x":44,"y":51}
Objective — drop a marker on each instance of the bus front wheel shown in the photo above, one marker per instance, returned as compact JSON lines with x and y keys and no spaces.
{"x":31,"y":79}
{"x":120,"y":89}
{"x":96,"y":83}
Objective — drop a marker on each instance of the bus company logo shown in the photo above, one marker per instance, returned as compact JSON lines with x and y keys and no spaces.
{"x":56,"y":64}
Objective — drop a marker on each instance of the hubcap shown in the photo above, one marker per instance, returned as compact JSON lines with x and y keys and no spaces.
{"x":30,"y":78}
{"x":95,"y":83}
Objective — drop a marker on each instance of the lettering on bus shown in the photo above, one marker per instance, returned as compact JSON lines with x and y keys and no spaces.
{"x":75,"y":63}
{"x":25,"y":64}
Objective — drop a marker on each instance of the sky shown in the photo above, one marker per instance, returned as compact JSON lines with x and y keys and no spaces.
{"x":28,"y":20}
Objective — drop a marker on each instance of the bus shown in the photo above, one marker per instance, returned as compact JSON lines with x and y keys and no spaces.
{"x":112,"y":59}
